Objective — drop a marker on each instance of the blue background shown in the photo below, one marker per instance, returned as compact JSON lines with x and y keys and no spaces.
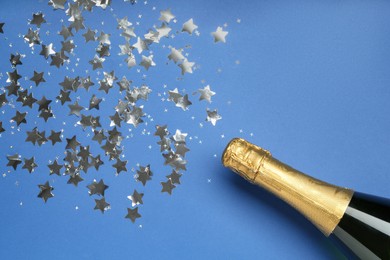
{"x":312,"y":86}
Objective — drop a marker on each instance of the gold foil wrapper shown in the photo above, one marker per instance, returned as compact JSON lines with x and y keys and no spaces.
{"x":322,"y":203}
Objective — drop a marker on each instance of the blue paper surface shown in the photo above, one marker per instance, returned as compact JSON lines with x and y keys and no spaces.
{"x":307,"y":80}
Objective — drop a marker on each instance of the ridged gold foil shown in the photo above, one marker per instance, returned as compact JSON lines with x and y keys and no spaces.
{"x":322,"y":203}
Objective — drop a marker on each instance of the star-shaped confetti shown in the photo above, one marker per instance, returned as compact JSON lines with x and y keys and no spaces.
{"x":132,"y":214}
{"x":30,"y":164}
{"x":144,"y":174}
{"x":55,"y":168}
{"x":45,"y":191}
{"x":14,"y":161}
{"x":89,"y":35}
{"x":47,"y":50}
{"x":102,"y":205}
{"x":128,"y":97}
{"x":167,"y":187}
{"x":206,"y":93}
{"x":136,"y":198}
{"x":186,"y":66}
{"x":219,"y":35}
{"x":189,"y":26}
{"x":97,"y":188}
{"x":213,"y":116}
{"x":38,"y":78}
{"x":38,"y":19}
{"x":20,"y":118}
{"x":166,"y":15}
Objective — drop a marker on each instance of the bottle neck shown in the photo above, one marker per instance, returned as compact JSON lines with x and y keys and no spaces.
{"x":322,"y":203}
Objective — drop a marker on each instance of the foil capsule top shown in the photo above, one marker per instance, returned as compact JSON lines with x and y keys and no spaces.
{"x":244,"y":158}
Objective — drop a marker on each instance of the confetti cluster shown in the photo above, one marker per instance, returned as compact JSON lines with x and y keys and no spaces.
{"x":128,"y":113}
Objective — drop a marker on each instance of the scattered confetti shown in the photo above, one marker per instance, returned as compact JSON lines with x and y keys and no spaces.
{"x":60,"y":51}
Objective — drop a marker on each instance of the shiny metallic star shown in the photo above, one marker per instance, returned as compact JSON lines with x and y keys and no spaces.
{"x":103,"y":50}
{"x":179,"y":137}
{"x":128,"y":33}
{"x":72,"y":143}
{"x":126,"y":49}
{"x":109,"y":77}
{"x":38,"y":78}
{"x":181,"y":149}
{"x":55,"y":137}
{"x":97,"y":62}
{"x":55,"y":168}
{"x":124,"y":84}
{"x":64,"y":96}
{"x":213,"y":116}
{"x":47,"y":50}
{"x":67,"y":46}
{"x":57,"y":59}
{"x":183,"y":102}
{"x":13,"y":77}
{"x":176,"y":55}
{"x":165,"y":144}
{"x":104,"y":38}
{"x":94,"y":102}
{"x":154,"y":36}
{"x":97,"y":188}
{"x":130,"y":61}
{"x":75,"y":109}
{"x":144,"y":174}
{"x":14,"y":160}
{"x":43,"y":103}
{"x":45,"y":191}
{"x":147,"y":62}
{"x":20,"y":118}
{"x":174,"y":95}
{"x":219,"y":35}
{"x":132,"y":214}
{"x":120,"y":166}
{"x":89,"y":35}
{"x":189,"y":26}
{"x":166,"y":15}
{"x":29,"y":164}
{"x":32,"y":37}
{"x":136,"y":198}
{"x":167,"y":187}
{"x":174,"y":177}
{"x":65,"y":32}
{"x":123,"y":23}
{"x":15,"y":59}
{"x":102,"y":205}
{"x":38,"y":19}
{"x":33,"y":136}
{"x":75,"y":179}
{"x":46,"y":114}
{"x":186,"y":66}
{"x":163,"y":31}
{"x":206,"y":93}
{"x":140,"y":45}
{"x":161,"y":131}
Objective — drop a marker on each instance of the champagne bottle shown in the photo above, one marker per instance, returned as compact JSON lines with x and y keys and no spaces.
{"x":360,"y":221}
